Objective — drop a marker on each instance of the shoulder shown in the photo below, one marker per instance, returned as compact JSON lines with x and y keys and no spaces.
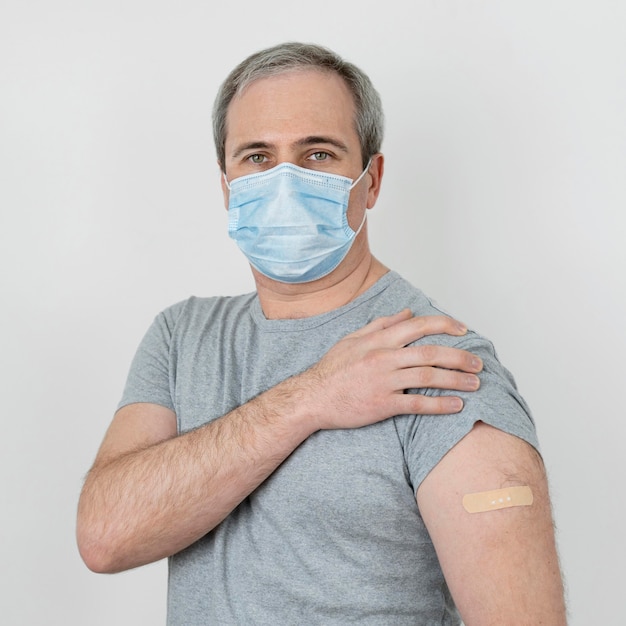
{"x":402,"y":294}
{"x":195,"y":310}
{"x":498,"y":402}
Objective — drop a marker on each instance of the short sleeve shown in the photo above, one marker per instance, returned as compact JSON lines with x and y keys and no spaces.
{"x":426,"y":439}
{"x":149,"y":376}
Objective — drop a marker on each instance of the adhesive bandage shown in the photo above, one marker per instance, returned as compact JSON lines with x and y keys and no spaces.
{"x":497,"y":499}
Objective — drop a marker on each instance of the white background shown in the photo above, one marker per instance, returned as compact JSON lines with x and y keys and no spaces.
{"x":504,"y":199}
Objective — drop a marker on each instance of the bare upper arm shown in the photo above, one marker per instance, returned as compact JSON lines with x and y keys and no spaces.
{"x":501,"y":566}
{"x":136,"y":426}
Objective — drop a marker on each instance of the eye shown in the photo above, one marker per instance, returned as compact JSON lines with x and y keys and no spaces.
{"x":319,"y":156}
{"x":257,"y":159}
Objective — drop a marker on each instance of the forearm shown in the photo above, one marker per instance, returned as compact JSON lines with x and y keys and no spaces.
{"x":153,"y":502}
{"x":152,"y":493}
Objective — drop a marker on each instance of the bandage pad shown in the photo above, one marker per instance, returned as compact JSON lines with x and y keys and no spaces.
{"x":497,"y":499}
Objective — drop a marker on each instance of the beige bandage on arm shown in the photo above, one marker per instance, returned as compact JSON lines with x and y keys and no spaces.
{"x":497,"y":499}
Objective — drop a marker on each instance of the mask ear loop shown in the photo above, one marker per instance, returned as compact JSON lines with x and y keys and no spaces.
{"x":358,"y":180}
{"x":358,"y":230}
{"x":352,"y":186}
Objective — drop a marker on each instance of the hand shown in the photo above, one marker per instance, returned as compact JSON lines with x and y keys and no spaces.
{"x":362,"y":379}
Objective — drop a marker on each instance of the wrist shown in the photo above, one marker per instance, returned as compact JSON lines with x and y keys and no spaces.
{"x":290,"y":406}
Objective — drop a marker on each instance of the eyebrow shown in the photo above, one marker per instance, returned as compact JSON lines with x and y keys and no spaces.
{"x":311,"y":140}
{"x":317,"y":139}
{"x":252,"y":145}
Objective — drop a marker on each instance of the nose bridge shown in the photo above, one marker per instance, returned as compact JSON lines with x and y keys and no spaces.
{"x":285,"y":155}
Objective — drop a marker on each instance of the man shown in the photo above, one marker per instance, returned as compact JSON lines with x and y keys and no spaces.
{"x":294,"y":451}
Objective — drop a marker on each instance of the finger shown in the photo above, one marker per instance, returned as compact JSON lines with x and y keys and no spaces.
{"x":380,"y":323}
{"x":435,"y":378}
{"x":438,"y":356}
{"x":417,"y":404}
{"x":415,"y":328}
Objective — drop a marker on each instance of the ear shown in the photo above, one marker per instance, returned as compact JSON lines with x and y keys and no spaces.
{"x":375,"y":173}
{"x":225,"y":189}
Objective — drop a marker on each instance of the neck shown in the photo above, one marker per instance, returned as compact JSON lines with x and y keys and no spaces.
{"x":291,"y":301}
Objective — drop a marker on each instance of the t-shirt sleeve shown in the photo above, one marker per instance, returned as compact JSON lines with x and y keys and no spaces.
{"x":149,"y":377}
{"x":426,"y":439}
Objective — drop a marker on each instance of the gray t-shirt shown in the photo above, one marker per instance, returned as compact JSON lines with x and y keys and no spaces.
{"x":334,"y":535}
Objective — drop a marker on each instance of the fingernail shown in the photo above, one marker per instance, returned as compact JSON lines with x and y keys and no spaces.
{"x":456,"y":404}
{"x":472,"y":381}
{"x":477,"y":364}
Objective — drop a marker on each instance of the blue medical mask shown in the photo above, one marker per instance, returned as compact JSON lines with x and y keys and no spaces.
{"x":291,"y":222}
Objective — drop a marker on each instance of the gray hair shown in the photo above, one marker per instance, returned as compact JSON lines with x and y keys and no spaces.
{"x":290,"y":56}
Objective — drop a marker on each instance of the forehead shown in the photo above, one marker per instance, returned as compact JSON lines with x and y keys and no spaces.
{"x":300,"y":102}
